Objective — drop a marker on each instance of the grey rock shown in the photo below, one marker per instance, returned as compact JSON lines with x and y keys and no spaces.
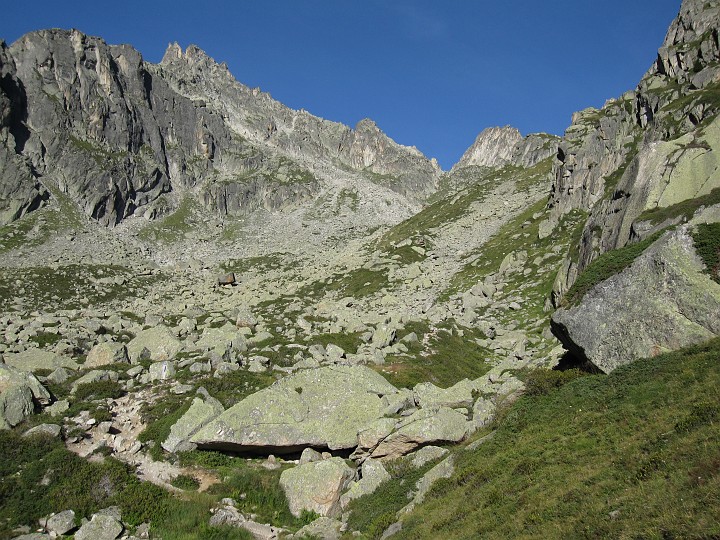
{"x":53,"y":430}
{"x":106,"y":353}
{"x":323,"y":528}
{"x":427,"y":454}
{"x":100,"y":527}
{"x":316,"y":486}
{"x":159,"y":343}
{"x":372,"y":475}
{"x":161,"y":371}
{"x":634,"y":314}
{"x":423,"y":427}
{"x":60,"y":523}
{"x":19,"y":391}
{"x":33,"y":359}
{"x":322,"y":408}
{"x":198,"y":415}
{"x":95,"y":375}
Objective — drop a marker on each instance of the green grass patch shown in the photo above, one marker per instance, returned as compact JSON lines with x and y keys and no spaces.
{"x":356,"y":283}
{"x":173,"y":227}
{"x":159,"y":418}
{"x":372,"y":514}
{"x":444,"y":358}
{"x":38,"y":475}
{"x":605,"y":266}
{"x":185,"y":482}
{"x":707,"y":244}
{"x":629,"y":455}
{"x":684,"y":209}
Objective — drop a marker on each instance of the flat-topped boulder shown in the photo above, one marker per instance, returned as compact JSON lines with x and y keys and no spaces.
{"x":34,"y":359}
{"x":320,"y":408}
{"x":157,"y":344}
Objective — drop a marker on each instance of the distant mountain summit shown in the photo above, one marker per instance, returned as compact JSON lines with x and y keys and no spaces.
{"x":116,"y":133}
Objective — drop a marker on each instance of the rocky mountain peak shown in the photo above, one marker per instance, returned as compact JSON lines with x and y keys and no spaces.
{"x":496,"y":147}
{"x":492,"y":148}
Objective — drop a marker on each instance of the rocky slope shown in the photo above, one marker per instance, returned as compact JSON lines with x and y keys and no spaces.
{"x":323,"y":302}
{"x":70,"y":103}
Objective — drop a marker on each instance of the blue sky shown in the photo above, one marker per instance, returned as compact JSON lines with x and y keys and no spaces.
{"x":431,"y":73}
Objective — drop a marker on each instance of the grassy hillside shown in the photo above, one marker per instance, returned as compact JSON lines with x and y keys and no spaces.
{"x":630,"y":455}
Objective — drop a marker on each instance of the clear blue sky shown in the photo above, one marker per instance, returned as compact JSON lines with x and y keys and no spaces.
{"x":431,"y":73}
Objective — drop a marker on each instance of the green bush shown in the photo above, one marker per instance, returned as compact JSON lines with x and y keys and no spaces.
{"x":543,"y":381}
{"x":98,"y":390}
{"x":186,"y":482}
{"x":605,"y":266}
{"x":707,"y":244}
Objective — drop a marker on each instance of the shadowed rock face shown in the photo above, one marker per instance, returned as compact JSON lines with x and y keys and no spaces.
{"x":115,"y":133}
{"x":662,"y":302}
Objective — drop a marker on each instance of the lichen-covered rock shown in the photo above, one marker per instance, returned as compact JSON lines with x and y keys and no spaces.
{"x":444,"y":469}
{"x":322,"y":408}
{"x":426,"y":426}
{"x":323,"y":528}
{"x":60,"y":523}
{"x":427,"y":454}
{"x":33,"y":359}
{"x":96,"y":375}
{"x":459,"y":395}
{"x":221,"y":340}
{"x":200,"y":413}
{"x":316,"y":486}
{"x":661,"y":302}
{"x":19,"y":391}
{"x":100,"y":527}
{"x":161,"y":371}
{"x":106,"y":353}
{"x":158,"y":343}
{"x":372,"y":475}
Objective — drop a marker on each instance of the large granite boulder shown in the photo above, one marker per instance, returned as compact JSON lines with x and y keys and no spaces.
{"x":322,"y":408}
{"x":34,"y":359}
{"x":663,"y":301}
{"x":19,"y":391}
{"x":200,"y":413}
{"x":426,"y":426}
{"x":316,"y":486}
{"x":104,"y":354}
{"x":372,"y":475}
{"x":157,"y":344}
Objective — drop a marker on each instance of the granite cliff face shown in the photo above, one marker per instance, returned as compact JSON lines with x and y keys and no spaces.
{"x":652,"y":148}
{"x":115,"y":133}
{"x":497,"y":147}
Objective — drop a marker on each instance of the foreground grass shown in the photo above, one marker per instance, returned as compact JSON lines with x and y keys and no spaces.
{"x":630,"y":455}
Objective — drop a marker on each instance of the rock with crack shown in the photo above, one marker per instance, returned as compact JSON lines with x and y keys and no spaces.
{"x":426,"y":426}
{"x":663,"y":301}
{"x":321,"y":408}
{"x":157,"y":344}
{"x":19,"y":391}
{"x":372,"y":474}
{"x":317,"y":486}
{"x":222,"y":340}
{"x":459,"y":395}
{"x":201,"y":412}
{"x":34,"y":359}
{"x":106,"y":353}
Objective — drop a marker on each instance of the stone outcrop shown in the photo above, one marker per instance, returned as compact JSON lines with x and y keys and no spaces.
{"x":19,"y":392}
{"x":497,"y":147}
{"x":201,"y":412}
{"x":316,"y":486}
{"x":97,"y":125}
{"x":651,"y":148}
{"x":661,"y":302}
{"x":321,"y":408}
